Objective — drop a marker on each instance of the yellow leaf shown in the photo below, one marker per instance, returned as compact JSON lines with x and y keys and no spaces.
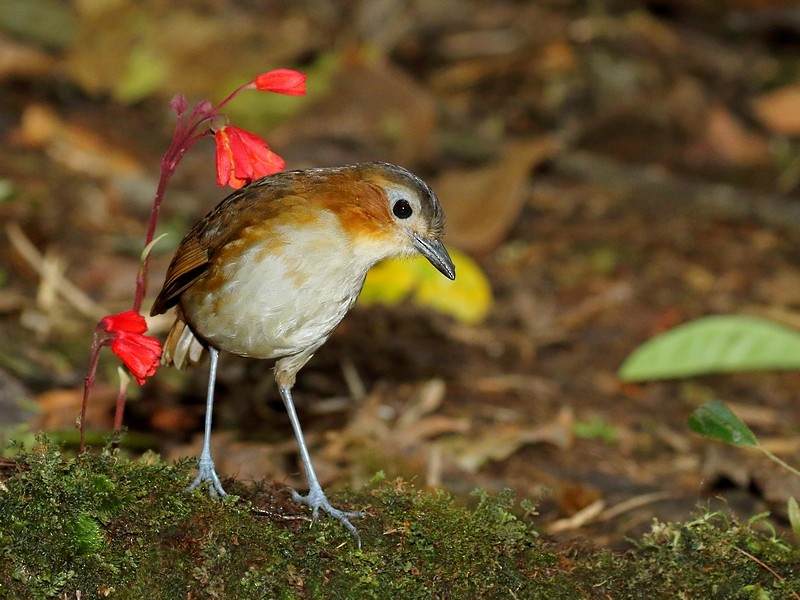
{"x":467,"y":299}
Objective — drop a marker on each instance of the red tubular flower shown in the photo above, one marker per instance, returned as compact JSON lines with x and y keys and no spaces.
{"x":129,"y":321}
{"x":282,"y":81}
{"x":140,"y":353}
{"x":243,"y":157}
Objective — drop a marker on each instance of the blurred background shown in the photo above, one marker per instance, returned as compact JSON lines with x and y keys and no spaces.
{"x":613,"y":169}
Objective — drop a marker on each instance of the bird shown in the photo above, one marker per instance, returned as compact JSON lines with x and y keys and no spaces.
{"x":272,"y":270}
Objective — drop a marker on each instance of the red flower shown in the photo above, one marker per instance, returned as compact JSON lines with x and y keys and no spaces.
{"x":140,"y":353}
{"x":243,"y":157}
{"x":129,"y":321}
{"x":282,"y":81}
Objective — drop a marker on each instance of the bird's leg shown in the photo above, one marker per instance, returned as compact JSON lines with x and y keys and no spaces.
{"x":315,"y":498}
{"x":205,"y":465}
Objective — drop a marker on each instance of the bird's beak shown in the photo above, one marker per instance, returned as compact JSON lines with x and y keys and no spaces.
{"x":436,"y":253}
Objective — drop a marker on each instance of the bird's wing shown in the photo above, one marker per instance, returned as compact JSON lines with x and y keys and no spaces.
{"x":190,"y":261}
{"x":196,"y":251}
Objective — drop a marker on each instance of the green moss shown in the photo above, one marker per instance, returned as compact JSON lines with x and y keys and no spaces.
{"x":106,"y":526}
{"x":709,"y":557}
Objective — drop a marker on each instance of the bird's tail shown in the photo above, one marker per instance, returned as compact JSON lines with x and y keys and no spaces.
{"x":182,"y":348}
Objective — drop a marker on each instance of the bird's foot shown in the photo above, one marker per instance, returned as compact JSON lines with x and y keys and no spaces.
{"x":317,"y":500}
{"x":207,"y":474}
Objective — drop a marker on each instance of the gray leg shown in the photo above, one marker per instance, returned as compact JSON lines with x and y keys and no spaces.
{"x":315,"y":498}
{"x":207,"y":473}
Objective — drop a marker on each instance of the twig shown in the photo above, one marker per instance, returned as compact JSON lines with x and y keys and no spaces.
{"x":597,"y":511}
{"x":579,"y":519}
{"x":769,"y":569}
{"x":355,"y":385}
{"x":68,"y":291}
{"x":634,"y":503}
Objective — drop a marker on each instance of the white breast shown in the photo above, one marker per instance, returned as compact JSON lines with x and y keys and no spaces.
{"x":285,"y":298}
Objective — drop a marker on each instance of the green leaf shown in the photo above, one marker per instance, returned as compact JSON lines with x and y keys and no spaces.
{"x":794,"y":515}
{"x":716,"y":344}
{"x":715,"y":420}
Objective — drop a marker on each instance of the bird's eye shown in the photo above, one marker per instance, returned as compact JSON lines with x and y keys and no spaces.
{"x":402,"y":209}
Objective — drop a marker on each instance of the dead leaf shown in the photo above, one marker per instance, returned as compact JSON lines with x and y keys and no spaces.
{"x":425,"y":402}
{"x":173,"y":418}
{"x":498,"y":442}
{"x":60,"y":408}
{"x":77,"y":147}
{"x":748,"y":471}
{"x":22,"y":61}
{"x":729,"y":139}
{"x":483,"y":203}
{"x":404,"y":437}
{"x":772,"y":481}
{"x":779,"y":110}
{"x":781,"y":288}
{"x":575,"y":497}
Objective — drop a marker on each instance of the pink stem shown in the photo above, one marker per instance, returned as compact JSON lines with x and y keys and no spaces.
{"x":141,"y":276}
{"x":230,"y":97}
{"x":88,"y":383}
{"x":184,"y":138}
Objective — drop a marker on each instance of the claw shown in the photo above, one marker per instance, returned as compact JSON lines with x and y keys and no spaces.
{"x":207,"y":473}
{"x":317,"y":500}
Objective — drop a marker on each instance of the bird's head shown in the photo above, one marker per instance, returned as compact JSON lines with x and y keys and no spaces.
{"x":398,"y":214}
